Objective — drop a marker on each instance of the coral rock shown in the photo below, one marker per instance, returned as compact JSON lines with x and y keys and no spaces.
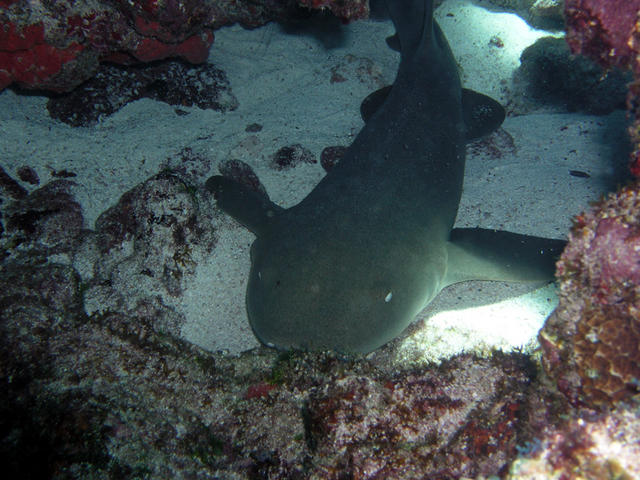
{"x":583,"y":446}
{"x":553,"y":75}
{"x":608,"y":32}
{"x":48,"y":220}
{"x":602,"y":29}
{"x":172,"y":82}
{"x":591,"y":342}
{"x":58,"y":45}
{"x":416,"y":425}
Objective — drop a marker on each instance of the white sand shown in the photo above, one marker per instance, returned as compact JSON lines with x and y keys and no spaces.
{"x":283,"y":82}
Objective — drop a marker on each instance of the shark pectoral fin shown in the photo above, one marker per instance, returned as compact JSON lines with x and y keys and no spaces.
{"x":250,"y":208}
{"x":393,"y":42}
{"x":482,"y":114}
{"x":480,"y":254}
{"x":372,"y":102}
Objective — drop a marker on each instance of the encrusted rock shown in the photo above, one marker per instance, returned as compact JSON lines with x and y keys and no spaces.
{"x":144,"y":247}
{"x":608,"y":32}
{"x":583,"y":445}
{"x":550,"y":74}
{"x":58,"y":45}
{"x":172,"y":82}
{"x":591,"y":342}
{"x":424,"y":424}
{"x":48,"y":220}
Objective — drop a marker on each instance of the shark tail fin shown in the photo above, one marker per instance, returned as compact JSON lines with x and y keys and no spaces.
{"x":413,"y":20}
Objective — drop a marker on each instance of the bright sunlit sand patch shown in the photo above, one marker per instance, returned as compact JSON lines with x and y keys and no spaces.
{"x":487,"y":45}
{"x":506,"y":325}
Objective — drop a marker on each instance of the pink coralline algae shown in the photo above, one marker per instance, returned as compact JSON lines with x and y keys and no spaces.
{"x":58,"y":45}
{"x":608,"y":31}
{"x":591,"y":343}
{"x":604,"y":30}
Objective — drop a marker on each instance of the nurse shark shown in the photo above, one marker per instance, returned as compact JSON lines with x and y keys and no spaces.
{"x":350,"y":266}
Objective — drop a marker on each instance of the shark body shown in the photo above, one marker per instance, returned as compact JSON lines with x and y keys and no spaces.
{"x":351,"y":265}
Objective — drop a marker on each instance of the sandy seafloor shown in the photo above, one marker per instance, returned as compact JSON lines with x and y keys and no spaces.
{"x":282,"y":80}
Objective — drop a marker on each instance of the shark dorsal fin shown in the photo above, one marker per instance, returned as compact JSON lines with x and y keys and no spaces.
{"x":414,"y":24}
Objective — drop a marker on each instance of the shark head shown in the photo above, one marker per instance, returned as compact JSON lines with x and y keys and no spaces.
{"x":317,"y":294}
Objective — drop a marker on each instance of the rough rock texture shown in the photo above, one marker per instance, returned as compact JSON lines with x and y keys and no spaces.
{"x":96,"y":383}
{"x":358,"y":422}
{"x":559,"y":442}
{"x":172,"y":82}
{"x":58,"y":45}
{"x":604,"y":30}
{"x":144,"y":247}
{"x":547,"y":14}
{"x":608,"y":32}
{"x":550,"y":74}
{"x":45,"y":222}
{"x":591,"y":343}
{"x":345,"y":9}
